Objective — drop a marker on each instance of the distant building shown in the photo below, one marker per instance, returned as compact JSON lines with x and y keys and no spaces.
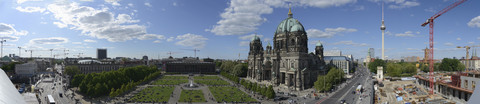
{"x":190,"y":67}
{"x":145,"y":60}
{"x":101,"y":53}
{"x":27,"y":69}
{"x":411,"y":59}
{"x":341,"y":62}
{"x":473,"y":64}
{"x":371,"y":52}
{"x":333,"y":53}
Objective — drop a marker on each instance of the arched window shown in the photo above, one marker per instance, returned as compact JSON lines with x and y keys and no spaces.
{"x":293,"y":42}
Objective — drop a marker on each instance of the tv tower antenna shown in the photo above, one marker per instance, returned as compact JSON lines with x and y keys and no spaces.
{"x":383,"y":35}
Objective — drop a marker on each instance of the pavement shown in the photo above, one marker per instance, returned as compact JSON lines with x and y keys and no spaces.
{"x":55,"y":88}
{"x":362,"y":77}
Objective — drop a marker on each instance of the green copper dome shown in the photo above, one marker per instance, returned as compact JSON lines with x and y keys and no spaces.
{"x":290,"y":25}
{"x":255,"y":38}
{"x":319,"y":44}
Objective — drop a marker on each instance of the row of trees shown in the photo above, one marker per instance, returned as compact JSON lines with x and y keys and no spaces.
{"x":230,"y":77}
{"x":10,"y":66}
{"x":237,"y":69}
{"x":377,"y":62}
{"x":400,"y":69}
{"x":446,"y":65}
{"x":258,"y":88}
{"x":326,"y":82}
{"x":115,"y":82}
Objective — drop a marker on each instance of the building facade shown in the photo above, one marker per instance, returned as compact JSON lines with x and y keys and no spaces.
{"x":341,"y":62}
{"x":26,"y":69}
{"x":473,"y":64}
{"x":287,"y":62}
{"x":190,"y":67}
{"x":101,"y":53}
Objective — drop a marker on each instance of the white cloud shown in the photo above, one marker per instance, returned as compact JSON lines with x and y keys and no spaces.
{"x":51,"y":40}
{"x":76,"y":42}
{"x":459,"y":38}
{"x":249,"y":37}
{"x":113,"y":2}
{"x":406,"y":34}
{"x":148,"y":4}
{"x":22,"y":32}
{"x":98,"y":23}
{"x":87,"y":0}
{"x":475,"y":22}
{"x":244,"y":16}
{"x":30,"y":9}
{"x":350,"y":43}
{"x":9,"y":38}
{"x":399,"y":4}
{"x":471,"y":42}
{"x":244,"y":43}
{"x":328,"y":32}
{"x":89,"y":41}
{"x":22,"y":1}
{"x":174,"y":4}
{"x":191,"y":40}
{"x":157,"y":41}
{"x":448,"y":44}
{"x":7,"y":29}
{"x":359,"y":8}
{"x":151,"y":36}
{"x":130,"y":4}
{"x":170,"y":39}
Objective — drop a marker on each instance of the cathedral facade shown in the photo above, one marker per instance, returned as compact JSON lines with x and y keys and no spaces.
{"x":287,"y":62}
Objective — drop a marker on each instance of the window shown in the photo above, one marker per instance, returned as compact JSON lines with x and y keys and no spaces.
{"x":466,"y":84}
{"x":473,"y":85}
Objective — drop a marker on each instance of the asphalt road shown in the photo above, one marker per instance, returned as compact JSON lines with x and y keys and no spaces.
{"x":55,"y":91}
{"x":345,"y":92}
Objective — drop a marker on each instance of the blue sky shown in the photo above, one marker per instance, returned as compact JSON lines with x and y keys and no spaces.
{"x":222,"y":29}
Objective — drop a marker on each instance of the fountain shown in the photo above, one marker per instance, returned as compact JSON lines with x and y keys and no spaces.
{"x":191,"y":85}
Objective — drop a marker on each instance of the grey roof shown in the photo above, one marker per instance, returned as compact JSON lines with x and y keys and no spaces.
{"x":336,"y":58}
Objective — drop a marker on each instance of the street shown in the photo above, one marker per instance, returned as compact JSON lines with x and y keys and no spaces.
{"x":345,"y":92}
{"x":53,"y":86}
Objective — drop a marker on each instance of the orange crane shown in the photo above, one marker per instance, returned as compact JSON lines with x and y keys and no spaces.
{"x":430,"y":23}
{"x":467,"y":57}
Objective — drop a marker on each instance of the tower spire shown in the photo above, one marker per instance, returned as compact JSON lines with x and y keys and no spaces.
{"x":290,"y":15}
{"x":382,"y":27}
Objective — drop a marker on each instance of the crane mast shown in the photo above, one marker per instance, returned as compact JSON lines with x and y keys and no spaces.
{"x":430,"y":22}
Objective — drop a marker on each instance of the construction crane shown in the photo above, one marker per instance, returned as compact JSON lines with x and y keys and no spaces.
{"x":31,"y":51}
{"x":467,"y":48}
{"x":79,"y":54}
{"x":170,"y":53}
{"x":194,"y":50}
{"x":430,"y":23}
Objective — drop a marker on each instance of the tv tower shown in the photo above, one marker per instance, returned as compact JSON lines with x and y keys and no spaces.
{"x":383,"y":36}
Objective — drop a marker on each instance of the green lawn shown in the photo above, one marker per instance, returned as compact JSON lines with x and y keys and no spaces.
{"x":170,"y":81}
{"x":206,"y":77}
{"x":192,"y":96}
{"x":230,"y":94}
{"x":212,"y":82}
{"x":175,"y":77}
{"x":153,"y":94}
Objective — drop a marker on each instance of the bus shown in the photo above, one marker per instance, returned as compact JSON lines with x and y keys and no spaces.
{"x":359,"y":88}
{"x":50,"y":99}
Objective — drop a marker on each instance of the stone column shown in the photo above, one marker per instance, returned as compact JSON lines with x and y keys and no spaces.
{"x":298,"y":80}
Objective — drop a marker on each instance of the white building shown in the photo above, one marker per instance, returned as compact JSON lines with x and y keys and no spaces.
{"x":26,"y":69}
{"x":472,"y":63}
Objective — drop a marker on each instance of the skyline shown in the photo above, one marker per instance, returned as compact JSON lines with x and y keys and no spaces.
{"x":223,"y":29}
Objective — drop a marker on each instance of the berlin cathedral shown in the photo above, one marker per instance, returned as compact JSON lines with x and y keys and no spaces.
{"x":289,"y":62}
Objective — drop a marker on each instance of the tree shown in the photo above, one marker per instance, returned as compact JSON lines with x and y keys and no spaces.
{"x":10,"y":66}
{"x":394,"y":70}
{"x":451,"y":65}
{"x":240,"y":70}
{"x":77,"y":79}
{"x":72,"y":70}
{"x":377,"y":62}
{"x":409,"y":69}
{"x":270,"y":92}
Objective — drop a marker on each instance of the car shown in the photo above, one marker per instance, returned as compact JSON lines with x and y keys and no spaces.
{"x":342,"y":101}
{"x":60,"y":94}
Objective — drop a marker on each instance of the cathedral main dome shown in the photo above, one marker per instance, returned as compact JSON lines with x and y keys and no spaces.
{"x":290,"y":25}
